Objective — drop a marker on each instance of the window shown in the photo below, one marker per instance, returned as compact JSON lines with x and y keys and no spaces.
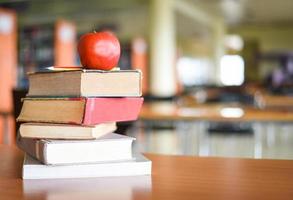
{"x":232,"y":70}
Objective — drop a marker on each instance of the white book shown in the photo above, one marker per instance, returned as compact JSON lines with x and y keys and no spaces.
{"x":111,"y":147}
{"x":32,"y":169}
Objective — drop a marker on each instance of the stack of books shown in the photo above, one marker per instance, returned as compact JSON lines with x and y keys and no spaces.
{"x":70,"y":117}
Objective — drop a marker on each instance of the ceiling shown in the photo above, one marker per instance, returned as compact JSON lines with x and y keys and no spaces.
{"x":85,"y":12}
{"x":253,"y":12}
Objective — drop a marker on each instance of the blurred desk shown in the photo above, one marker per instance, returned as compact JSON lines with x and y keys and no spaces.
{"x":194,"y":124}
{"x":212,"y":112}
{"x":173,"y":177}
{"x":275,"y":101}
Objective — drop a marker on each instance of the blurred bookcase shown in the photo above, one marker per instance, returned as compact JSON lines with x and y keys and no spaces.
{"x":36,"y":51}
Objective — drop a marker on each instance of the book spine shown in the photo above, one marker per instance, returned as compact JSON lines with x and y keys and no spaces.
{"x":34,"y":147}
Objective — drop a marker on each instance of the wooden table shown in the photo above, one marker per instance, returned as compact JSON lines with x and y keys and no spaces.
{"x":212,"y":112}
{"x":275,"y":101}
{"x":173,"y":177}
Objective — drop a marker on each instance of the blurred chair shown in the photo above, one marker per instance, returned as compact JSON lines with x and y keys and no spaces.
{"x":232,"y":94}
{"x":230,"y":128}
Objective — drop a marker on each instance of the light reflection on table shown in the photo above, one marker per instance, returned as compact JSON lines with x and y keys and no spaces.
{"x":91,"y":188}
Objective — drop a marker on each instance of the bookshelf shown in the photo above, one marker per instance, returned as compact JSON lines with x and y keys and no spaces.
{"x":36,"y":50}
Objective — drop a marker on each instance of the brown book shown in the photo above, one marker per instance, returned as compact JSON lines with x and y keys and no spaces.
{"x":83,"y":111}
{"x":65,"y":131}
{"x":85,"y":83}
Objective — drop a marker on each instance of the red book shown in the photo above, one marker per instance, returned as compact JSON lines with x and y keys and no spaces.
{"x":85,"y":111}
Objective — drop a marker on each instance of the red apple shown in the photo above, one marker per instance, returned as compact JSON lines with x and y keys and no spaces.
{"x":99,"y":50}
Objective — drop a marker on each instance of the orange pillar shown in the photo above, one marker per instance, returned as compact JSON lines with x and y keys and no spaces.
{"x":8,"y":64}
{"x":1,"y":129}
{"x":64,"y":44}
{"x":11,"y":137}
{"x":139,"y":60}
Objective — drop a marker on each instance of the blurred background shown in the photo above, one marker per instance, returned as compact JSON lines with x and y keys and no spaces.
{"x":218,"y":74}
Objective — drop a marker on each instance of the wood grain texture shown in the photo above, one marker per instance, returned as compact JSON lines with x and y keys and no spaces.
{"x":184,"y":177}
{"x":174,"y":177}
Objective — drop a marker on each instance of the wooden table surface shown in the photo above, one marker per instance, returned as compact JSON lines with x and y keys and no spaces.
{"x":173,"y":177}
{"x":212,"y":112}
{"x":275,"y":101}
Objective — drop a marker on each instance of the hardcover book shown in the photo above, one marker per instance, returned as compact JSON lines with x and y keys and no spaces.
{"x":32,"y":169}
{"x":85,"y":83}
{"x":85,"y":111}
{"x":65,"y":131}
{"x":111,"y":147}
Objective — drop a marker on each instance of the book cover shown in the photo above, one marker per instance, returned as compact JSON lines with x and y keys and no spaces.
{"x":65,"y":131}
{"x":84,"y":111}
{"x":111,"y":147}
{"x":85,"y":83}
{"x":32,"y":169}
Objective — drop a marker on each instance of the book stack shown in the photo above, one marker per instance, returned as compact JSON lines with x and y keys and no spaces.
{"x":69,"y":119}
